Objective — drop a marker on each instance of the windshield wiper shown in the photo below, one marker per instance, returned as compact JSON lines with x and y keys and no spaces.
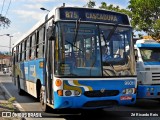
{"x":110,"y":35}
{"x":74,"y":45}
{"x":76,"y":30}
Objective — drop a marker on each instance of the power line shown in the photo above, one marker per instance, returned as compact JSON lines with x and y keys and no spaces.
{"x":4,"y":46}
{"x":2,"y":6}
{"x":8,"y":7}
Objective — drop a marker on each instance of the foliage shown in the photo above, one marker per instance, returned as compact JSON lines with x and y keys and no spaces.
{"x":115,"y":8}
{"x":12,"y":99}
{"x":91,"y":4}
{"x":4,"y":22}
{"x":146,"y":16}
{"x":4,"y":53}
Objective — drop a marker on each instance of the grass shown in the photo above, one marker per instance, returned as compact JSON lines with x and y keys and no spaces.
{"x":7,"y":105}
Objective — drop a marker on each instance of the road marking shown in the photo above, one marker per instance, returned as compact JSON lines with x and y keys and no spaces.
{"x":15,"y":102}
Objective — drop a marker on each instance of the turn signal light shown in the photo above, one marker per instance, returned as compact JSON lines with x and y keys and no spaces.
{"x":60,"y":92}
{"x":58,"y":82}
{"x":41,"y":64}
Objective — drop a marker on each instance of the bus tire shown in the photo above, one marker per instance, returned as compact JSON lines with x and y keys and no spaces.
{"x":20,"y":91}
{"x":38,"y":88}
{"x":44,"y":106}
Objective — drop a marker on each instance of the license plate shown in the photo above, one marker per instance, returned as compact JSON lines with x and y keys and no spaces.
{"x":126,"y":97}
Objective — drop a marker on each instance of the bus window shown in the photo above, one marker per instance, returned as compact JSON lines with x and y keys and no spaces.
{"x":37,"y":47}
{"x":33,"y":46}
{"x":116,"y":61}
{"x":20,"y":52}
{"x":27,"y":48}
{"x":17,"y":49}
{"x":23,"y":50}
{"x":77,"y":56}
{"x":40,"y":43}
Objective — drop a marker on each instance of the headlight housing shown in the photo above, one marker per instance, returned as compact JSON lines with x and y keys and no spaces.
{"x":129,"y":91}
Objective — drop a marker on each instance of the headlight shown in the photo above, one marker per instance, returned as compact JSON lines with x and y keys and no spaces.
{"x":68,"y":93}
{"x":71,"y":93}
{"x":148,"y":89}
{"x":152,"y":89}
{"x":76,"y":93}
{"x":128,"y":91}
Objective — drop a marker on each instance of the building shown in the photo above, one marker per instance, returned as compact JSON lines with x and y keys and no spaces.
{"x":5,"y":61}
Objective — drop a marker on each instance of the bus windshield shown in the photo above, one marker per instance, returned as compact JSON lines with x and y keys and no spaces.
{"x":85,"y":51}
{"x":150,"y":54}
{"x":117,"y":58}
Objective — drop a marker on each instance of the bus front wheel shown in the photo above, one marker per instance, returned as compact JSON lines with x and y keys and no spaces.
{"x":44,"y":106}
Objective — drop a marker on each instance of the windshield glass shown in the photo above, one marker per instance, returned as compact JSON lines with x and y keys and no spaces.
{"x":87,"y":52}
{"x":116,"y":55}
{"x":150,"y":54}
{"x":80,"y":56}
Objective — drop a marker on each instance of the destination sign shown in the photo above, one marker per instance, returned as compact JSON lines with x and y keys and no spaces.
{"x":95,"y":15}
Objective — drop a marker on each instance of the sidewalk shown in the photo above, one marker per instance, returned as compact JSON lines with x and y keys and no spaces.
{"x":6,"y":105}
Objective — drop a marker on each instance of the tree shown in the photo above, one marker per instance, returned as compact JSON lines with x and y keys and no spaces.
{"x":91,"y":4}
{"x":4,"y":22}
{"x":115,"y":8}
{"x":146,"y":16}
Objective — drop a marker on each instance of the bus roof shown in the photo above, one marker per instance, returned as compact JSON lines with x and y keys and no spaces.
{"x":147,"y":43}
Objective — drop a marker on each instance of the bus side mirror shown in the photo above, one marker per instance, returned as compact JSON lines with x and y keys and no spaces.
{"x":51,"y":33}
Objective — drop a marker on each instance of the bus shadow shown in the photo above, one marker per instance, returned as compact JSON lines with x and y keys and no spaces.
{"x":79,"y":114}
{"x":146,"y":104}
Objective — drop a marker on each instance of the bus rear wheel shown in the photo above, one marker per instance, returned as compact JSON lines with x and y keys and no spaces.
{"x":20,"y":91}
{"x":43,"y":104}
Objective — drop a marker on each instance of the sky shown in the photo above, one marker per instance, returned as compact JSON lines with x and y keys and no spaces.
{"x":26,"y":13}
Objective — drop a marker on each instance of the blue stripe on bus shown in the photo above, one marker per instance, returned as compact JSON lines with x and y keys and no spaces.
{"x":151,"y":63}
{"x":148,"y":45}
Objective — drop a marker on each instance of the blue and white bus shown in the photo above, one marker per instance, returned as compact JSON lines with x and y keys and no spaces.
{"x":147,"y":53}
{"x":76,"y":58}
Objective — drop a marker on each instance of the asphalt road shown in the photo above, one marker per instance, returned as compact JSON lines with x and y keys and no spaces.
{"x":142,"y":110}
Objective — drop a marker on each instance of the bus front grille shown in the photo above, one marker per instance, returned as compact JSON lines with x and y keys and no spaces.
{"x":155,"y":76}
{"x":99,"y":93}
{"x":100,"y":103}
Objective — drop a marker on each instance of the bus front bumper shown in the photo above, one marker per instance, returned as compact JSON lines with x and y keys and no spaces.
{"x":148,"y":91}
{"x":92,"y":103}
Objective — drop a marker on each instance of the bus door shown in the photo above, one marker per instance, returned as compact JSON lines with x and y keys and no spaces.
{"x":49,"y":67}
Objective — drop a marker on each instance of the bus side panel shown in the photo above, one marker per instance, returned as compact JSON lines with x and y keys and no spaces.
{"x":19,"y":67}
{"x":31,"y":87}
{"x":35,"y":72}
{"x":93,"y":95}
{"x":39,"y":70}
{"x":26,"y":70}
